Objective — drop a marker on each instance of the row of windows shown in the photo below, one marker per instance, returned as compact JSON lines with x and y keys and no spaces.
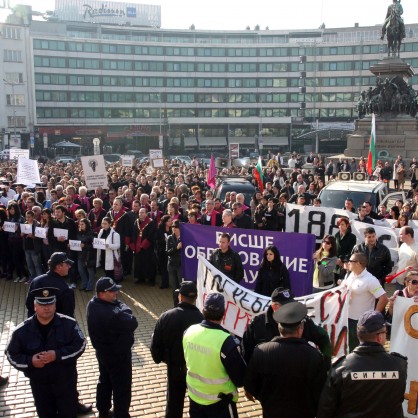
{"x":54,"y":113}
{"x":154,"y":66}
{"x":92,"y":47}
{"x":16,"y":121}
{"x":14,"y":78}
{"x":128,"y":97}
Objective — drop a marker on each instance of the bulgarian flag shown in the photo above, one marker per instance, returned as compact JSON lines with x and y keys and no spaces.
{"x":258,"y":174}
{"x":371,"y":159}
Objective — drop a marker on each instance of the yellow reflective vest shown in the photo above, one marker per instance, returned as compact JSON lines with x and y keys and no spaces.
{"x":206,"y":375}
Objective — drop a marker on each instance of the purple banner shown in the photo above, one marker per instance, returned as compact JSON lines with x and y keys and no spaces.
{"x":295,"y":249}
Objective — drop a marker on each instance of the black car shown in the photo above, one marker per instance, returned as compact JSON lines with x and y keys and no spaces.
{"x":235,"y":184}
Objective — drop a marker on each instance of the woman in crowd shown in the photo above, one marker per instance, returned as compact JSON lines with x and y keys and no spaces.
{"x":46,"y":216}
{"x":271,"y":218}
{"x":345,"y":241}
{"x":406,"y":210}
{"x":192,"y":217}
{"x":259,"y":220}
{"x":400,"y":171}
{"x":173,"y":250}
{"x":15,"y":254}
{"x":227,"y":219}
{"x":272,"y":273}
{"x":401,"y":221}
{"x":86,"y":258}
{"x":325,"y":263}
{"x":32,"y":247}
{"x":107,"y":258}
{"x":281,"y":212}
{"x":383,"y":213}
{"x":394,"y":212}
{"x":163,"y":232}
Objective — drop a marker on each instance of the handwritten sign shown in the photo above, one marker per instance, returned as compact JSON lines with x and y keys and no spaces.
{"x":60,"y":233}
{"x":99,"y":243}
{"x":10,"y":226}
{"x":75,"y":245}
{"x":26,"y":229}
{"x":127,"y":160}
{"x":40,"y":232}
{"x":27,"y":171}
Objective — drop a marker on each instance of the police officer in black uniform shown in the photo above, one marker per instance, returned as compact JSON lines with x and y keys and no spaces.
{"x":369,"y":382}
{"x":45,"y":348}
{"x":111,"y":327}
{"x":287,"y":374}
{"x":167,"y":347}
{"x":227,"y":260}
{"x":263,"y":328}
{"x":59,"y":265}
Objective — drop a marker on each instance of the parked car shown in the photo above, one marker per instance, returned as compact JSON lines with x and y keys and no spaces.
{"x":112,"y":158}
{"x":235,"y":184}
{"x":65,"y":159}
{"x":182,"y":158}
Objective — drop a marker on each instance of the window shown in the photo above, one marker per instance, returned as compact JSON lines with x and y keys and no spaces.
{"x":16,"y":78}
{"x":15,"y":99}
{"x":12,"y":55}
{"x":20,"y":122}
{"x":10,"y":32}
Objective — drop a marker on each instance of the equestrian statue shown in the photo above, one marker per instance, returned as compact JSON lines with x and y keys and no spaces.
{"x":394,"y":28}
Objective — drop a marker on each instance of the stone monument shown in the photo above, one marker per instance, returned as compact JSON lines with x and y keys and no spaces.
{"x":392,"y":100}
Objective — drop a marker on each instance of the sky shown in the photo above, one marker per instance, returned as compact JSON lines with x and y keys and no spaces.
{"x":276,"y":14}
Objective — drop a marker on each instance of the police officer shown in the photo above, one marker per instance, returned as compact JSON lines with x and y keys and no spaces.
{"x":263,"y":328}
{"x":369,"y":382}
{"x":111,"y":327}
{"x":227,"y":260}
{"x":166,"y":345}
{"x":287,"y":374}
{"x":59,"y":265}
{"x":45,"y":348}
{"x":215,"y":367}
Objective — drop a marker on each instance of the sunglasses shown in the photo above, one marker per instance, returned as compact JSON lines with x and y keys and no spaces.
{"x":326,"y":242}
{"x":414,"y":282}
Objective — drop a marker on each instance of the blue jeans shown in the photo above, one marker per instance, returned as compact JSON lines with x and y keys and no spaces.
{"x":86,"y":274}
{"x":33,"y":261}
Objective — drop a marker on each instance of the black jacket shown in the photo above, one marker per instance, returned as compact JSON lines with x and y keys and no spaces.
{"x":350,"y":393}
{"x":65,"y":295}
{"x":65,"y":338}
{"x":56,"y":245}
{"x":244,"y":221}
{"x":269,"y":279}
{"x":345,"y":245}
{"x":263,"y":328}
{"x":286,"y":375}
{"x":228,"y":263}
{"x":111,"y":326}
{"x":174,"y":255}
{"x":379,"y":260}
{"x":166,"y":342}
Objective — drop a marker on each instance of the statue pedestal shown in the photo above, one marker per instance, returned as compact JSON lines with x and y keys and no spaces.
{"x":396,"y":130}
{"x":394,"y":135}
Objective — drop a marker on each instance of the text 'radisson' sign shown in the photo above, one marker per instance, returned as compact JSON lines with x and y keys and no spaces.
{"x":104,"y":10}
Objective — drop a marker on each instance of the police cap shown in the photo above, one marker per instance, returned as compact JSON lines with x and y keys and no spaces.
{"x":290,"y":314}
{"x":106,"y":284}
{"x":282,"y":295}
{"x":214,"y":302}
{"x":45,"y":295}
{"x":188,"y":289}
{"x":371,"y":321}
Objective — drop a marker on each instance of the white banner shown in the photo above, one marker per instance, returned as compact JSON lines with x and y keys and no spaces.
{"x":26,"y":229}
{"x":127,"y":160}
{"x":75,"y":245}
{"x":404,"y":340}
{"x":322,"y":221}
{"x":27,"y":171}
{"x":16,"y":153}
{"x":329,"y":308}
{"x":155,"y":154}
{"x":99,"y":243}
{"x":40,"y":232}
{"x":94,"y":171}
{"x":10,"y":226}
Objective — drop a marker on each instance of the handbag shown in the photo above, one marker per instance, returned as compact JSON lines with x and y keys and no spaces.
{"x":117,"y":266}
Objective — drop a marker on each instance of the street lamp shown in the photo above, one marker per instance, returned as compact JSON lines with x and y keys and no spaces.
{"x":13,"y":102}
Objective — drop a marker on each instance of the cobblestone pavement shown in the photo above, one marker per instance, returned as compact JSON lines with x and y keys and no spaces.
{"x":149,"y":379}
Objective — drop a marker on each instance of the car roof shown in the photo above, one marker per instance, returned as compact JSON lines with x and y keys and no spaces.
{"x":239,"y":180}
{"x":355,"y":186}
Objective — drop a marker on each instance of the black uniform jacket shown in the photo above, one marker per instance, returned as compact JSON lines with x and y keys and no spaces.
{"x":368,"y":383}
{"x":111,"y":326}
{"x":286,"y":375}
{"x":228,"y":263}
{"x":167,"y":339}
{"x":65,"y":338}
{"x":263,"y":328}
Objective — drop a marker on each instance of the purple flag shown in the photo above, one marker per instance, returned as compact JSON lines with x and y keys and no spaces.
{"x":212,"y":173}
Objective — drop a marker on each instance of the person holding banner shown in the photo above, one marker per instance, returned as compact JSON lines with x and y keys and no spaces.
{"x":365,"y":291}
{"x":369,"y":382}
{"x":408,"y":253}
{"x":272,"y":273}
{"x":325,"y":263}
{"x":227,"y":260}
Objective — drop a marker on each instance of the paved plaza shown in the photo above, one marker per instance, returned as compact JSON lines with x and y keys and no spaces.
{"x":149,"y":379}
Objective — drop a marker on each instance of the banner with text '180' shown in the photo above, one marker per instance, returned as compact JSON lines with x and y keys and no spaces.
{"x":295,"y":249}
